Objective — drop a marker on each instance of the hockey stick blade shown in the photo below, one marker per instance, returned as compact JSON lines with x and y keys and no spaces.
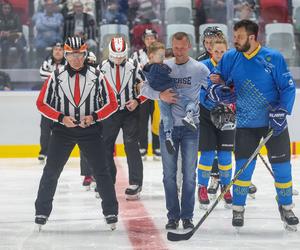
{"x":186,"y":236}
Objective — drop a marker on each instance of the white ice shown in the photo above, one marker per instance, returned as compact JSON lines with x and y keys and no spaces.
{"x":76,"y":221}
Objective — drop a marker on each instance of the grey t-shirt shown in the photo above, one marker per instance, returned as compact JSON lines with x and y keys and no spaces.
{"x":188,"y":78}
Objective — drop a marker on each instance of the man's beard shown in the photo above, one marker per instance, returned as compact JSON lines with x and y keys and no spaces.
{"x":243,"y":48}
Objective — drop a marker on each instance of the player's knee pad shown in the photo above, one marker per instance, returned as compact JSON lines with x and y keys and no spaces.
{"x":224,"y":158}
{"x":282,"y":172}
{"x":207,"y":158}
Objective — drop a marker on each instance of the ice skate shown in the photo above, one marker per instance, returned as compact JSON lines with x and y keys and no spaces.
{"x":87,"y":181}
{"x":143,"y":153}
{"x":213,"y":187}
{"x":111,"y":221}
{"x":252,"y":190}
{"x":288,"y":217}
{"x":133,"y":192}
{"x":227,"y":198}
{"x":203,"y":197}
{"x":169,"y":143}
{"x":156,"y":155}
{"x":188,"y":121}
{"x":40,"y":220}
{"x":238,"y":217}
{"x":42,"y":159}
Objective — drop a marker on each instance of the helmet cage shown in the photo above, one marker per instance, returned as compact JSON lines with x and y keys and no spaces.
{"x":223,"y":117}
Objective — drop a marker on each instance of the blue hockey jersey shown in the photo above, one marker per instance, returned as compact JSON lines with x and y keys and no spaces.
{"x":261,"y":81}
{"x":210,"y":64}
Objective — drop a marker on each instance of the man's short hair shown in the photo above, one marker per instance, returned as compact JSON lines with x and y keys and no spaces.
{"x":250,"y":27}
{"x":180,"y":36}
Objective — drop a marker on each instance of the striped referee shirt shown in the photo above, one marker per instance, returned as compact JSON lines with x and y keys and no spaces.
{"x":130,"y":75}
{"x":56,"y":98}
{"x":49,"y":65}
{"x":141,"y":57}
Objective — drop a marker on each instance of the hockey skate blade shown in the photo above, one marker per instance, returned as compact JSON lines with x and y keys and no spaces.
{"x":212,"y":196}
{"x":203,"y":206}
{"x":227,"y":206}
{"x":290,"y":228}
{"x":38,"y":228}
{"x":112,"y":226}
{"x":132,"y":197}
{"x":238,"y":229}
{"x":252,"y":196}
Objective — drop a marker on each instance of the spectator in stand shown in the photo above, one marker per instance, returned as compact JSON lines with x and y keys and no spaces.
{"x":5,"y":84}
{"x":113,"y":14}
{"x":245,"y":10}
{"x":48,"y":25}
{"x":81,"y":24}
{"x":88,"y":6}
{"x":11,"y":35}
{"x":216,"y":11}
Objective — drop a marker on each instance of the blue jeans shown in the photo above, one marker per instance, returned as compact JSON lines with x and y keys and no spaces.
{"x":188,"y":142}
{"x":166,"y":113}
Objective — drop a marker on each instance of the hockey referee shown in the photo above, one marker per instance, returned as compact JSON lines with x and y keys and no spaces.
{"x":72,"y":97}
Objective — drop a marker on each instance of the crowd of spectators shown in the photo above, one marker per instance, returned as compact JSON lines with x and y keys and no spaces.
{"x":51,"y":21}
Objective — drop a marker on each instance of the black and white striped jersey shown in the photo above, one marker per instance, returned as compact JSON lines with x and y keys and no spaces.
{"x":130,"y":74}
{"x":49,"y":65}
{"x":56,"y":98}
{"x":141,"y":57}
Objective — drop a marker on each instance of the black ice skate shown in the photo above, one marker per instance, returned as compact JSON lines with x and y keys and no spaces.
{"x":111,"y":221}
{"x":238,"y":216}
{"x":252,"y":190}
{"x":97,"y":195}
{"x":40,"y":220}
{"x":172,"y":224}
{"x":213,"y":187}
{"x":288,"y":217}
{"x":133,"y":192}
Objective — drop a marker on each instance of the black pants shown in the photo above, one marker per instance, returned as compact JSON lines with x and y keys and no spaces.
{"x":146,"y":111}
{"x":85,"y":167}
{"x":62,"y":142}
{"x":128,"y":122}
{"x":46,"y":126}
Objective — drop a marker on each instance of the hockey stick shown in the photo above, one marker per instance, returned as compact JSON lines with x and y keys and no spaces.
{"x":177,"y":236}
{"x":266,"y":165}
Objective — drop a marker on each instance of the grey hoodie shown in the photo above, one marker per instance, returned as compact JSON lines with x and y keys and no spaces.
{"x":189,"y":78}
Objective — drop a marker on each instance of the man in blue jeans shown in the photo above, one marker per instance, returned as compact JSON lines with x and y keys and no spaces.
{"x":188,"y":76}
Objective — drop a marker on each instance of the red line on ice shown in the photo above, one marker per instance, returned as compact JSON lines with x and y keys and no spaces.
{"x":141,"y":229}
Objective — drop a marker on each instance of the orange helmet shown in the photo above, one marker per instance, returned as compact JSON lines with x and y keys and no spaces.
{"x":75,"y":45}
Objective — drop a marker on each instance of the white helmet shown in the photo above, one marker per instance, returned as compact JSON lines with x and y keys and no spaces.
{"x":117,"y":49}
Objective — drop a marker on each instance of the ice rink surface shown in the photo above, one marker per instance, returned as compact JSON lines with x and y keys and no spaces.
{"x":76,"y":222}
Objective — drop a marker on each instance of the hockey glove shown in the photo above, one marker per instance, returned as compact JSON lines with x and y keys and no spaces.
{"x":277,"y":120}
{"x":219,"y":93}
